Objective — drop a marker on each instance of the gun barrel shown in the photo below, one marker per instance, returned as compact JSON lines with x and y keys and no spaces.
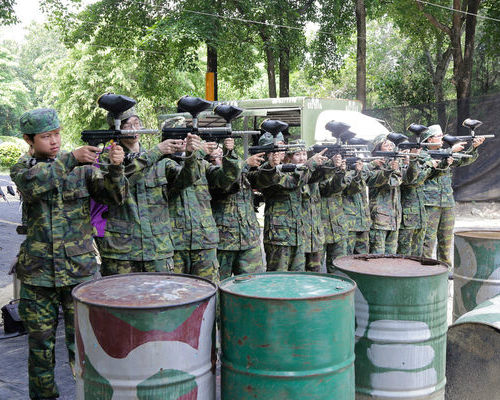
{"x":472,"y":137}
{"x":139,"y":131}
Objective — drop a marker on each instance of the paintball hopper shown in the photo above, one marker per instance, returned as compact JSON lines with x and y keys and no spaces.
{"x":193,"y":105}
{"x":115,"y":104}
{"x":345,"y":136}
{"x":472,"y":124}
{"x":273,"y":126}
{"x":358,"y":142}
{"x":337,"y":128}
{"x":397,"y":138}
{"x":227,"y":112}
{"x":451,"y":140}
{"x":417,"y":130}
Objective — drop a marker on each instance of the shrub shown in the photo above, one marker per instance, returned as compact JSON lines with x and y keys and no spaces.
{"x":9,"y":154}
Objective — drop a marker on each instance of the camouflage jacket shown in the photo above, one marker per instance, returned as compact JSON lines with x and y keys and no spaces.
{"x":355,"y":201}
{"x":283,"y":198}
{"x":438,"y":191}
{"x":313,"y":235}
{"x":58,"y":249}
{"x":193,"y":225}
{"x":332,"y":212}
{"x":232,"y":208}
{"x":412,"y":194}
{"x":140,"y":229}
{"x":385,"y":198}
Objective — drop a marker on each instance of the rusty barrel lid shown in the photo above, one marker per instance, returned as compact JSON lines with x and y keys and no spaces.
{"x":390,"y":265}
{"x":287,"y":285}
{"x":144,"y":290}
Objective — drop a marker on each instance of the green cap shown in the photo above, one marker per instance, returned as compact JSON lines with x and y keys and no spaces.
{"x":301,"y":146}
{"x":267,"y":139}
{"x":433,"y":130}
{"x":121,"y":116}
{"x":38,"y":121}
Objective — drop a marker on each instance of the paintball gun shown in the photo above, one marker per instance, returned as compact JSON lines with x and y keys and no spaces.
{"x":448,"y":152}
{"x":345,"y":144}
{"x":195,"y":105}
{"x":401,"y":140}
{"x":115,"y":104}
{"x":273,"y":148}
{"x":472,"y":124}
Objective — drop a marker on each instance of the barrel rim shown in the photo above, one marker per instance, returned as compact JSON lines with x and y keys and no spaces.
{"x":463,"y":233}
{"x":422,"y":260}
{"x":457,"y":323}
{"x":198,"y":300}
{"x":333,"y":295}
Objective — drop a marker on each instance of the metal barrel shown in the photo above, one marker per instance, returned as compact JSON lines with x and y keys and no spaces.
{"x":400,"y":338}
{"x":287,"y":335}
{"x":473,"y":354}
{"x":145,"y":336}
{"x":476,"y":275}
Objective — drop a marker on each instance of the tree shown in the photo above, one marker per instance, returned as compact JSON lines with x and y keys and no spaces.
{"x":7,"y":13}
{"x":14,"y":99}
{"x":463,"y":18}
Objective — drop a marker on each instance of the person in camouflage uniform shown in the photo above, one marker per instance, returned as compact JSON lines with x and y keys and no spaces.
{"x":195,"y":234}
{"x":283,"y":224}
{"x":385,"y":201}
{"x":332,"y":214}
{"x":356,"y":210}
{"x":138,"y":234}
{"x":414,"y":218}
{"x":57,"y":253}
{"x":239,"y":250}
{"x":312,"y":232}
{"x":438,"y":193}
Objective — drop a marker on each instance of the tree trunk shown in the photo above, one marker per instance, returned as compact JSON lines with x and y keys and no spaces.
{"x":361,"y":52}
{"x":271,"y":73}
{"x":285,"y":72}
{"x":462,"y":63}
{"x":212,"y":66}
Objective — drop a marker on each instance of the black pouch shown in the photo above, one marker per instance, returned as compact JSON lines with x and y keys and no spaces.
{"x":11,"y":320}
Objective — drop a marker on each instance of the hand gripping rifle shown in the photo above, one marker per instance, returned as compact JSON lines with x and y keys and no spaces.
{"x":115,"y":104}
{"x":448,"y":152}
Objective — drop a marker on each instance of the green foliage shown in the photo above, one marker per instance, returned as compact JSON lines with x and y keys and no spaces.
{"x":13,"y":93}
{"x":9,"y":154}
{"x":7,"y":14}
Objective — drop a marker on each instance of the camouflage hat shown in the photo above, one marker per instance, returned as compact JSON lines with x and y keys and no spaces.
{"x":301,"y":146}
{"x":175,"y":122}
{"x":379,"y":140}
{"x":121,"y":116}
{"x":433,"y":130}
{"x":38,"y":121}
{"x":267,"y":139}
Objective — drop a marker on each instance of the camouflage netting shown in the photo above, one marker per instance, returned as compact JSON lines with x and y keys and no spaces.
{"x":479,"y":181}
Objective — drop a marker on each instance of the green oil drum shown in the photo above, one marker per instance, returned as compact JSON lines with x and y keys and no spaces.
{"x":476,"y":275}
{"x":400,"y":338}
{"x":473,"y":354}
{"x":287,"y":336}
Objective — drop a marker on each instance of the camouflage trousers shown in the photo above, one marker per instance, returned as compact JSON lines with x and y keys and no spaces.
{"x":201,"y":263}
{"x":239,"y":262}
{"x":111,"y":266}
{"x":284,"y":258}
{"x":358,"y":242}
{"x":383,"y":242}
{"x":440,"y":223}
{"x":313,"y":261}
{"x":39,"y":311}
{"x":333,"y":251}
{"x":411,"y":241}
